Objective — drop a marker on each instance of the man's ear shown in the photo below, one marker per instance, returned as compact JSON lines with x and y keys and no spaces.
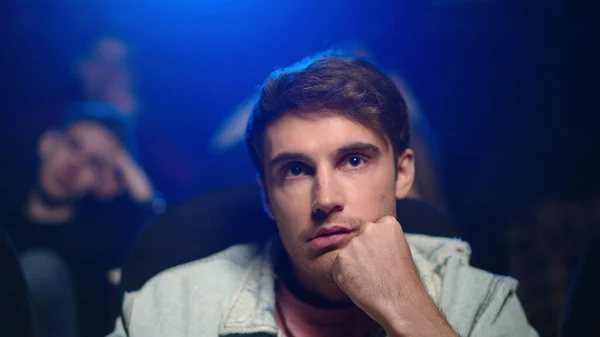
{"x":264,"y":196}
{"x":47,"y":143}
{"x":405,"y":174}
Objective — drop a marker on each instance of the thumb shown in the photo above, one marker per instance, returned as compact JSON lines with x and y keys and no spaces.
{"x":338,"y":275}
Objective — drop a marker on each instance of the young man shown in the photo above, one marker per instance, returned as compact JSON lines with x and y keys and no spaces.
{"x":330,"y":143}
{"x":68,"y":240}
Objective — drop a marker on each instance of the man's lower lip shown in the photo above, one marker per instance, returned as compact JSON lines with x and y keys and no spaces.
{"x":328,"y":240}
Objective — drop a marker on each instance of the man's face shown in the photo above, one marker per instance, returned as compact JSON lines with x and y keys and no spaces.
{"x":73,"y":161}
{"x":326,"y":176}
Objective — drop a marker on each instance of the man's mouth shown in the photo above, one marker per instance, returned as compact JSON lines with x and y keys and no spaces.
{"x":328,"y":231}
{"x":63,"y":181}
{"x":329,"y":236}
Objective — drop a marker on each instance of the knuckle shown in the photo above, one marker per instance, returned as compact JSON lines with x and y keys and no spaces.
{"x":389,"y":219}
{"x":368,"y":227}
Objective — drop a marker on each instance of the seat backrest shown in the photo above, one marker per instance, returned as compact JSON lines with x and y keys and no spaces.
{"x":196,"y":229}
{"x":223,"y":218}
{"x":16,"y":314}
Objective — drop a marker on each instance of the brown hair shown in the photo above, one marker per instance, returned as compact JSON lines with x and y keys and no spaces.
{"x":350,"y":87}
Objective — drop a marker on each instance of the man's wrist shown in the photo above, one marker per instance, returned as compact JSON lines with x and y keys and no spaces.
{"x":419,"y":316}
{"x":435,"y":326}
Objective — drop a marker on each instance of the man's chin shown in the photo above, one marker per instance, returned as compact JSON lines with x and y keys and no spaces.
{"x":318,"y":277}
{"x":323,"y":264}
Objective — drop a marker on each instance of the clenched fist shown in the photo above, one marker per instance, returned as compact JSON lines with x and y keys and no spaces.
{"x":378,"y":273}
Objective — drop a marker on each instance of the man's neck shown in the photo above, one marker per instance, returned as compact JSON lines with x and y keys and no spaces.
{"x":45,"y":213}
{"x":309,"y":290}
{"x":296,"y":317}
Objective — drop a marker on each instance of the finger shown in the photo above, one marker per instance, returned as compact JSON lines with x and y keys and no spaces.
{"x":118,"y":178}
{"x":336,"y":273}
{"x":366,"y":228}
{"x":126,"y":157}
{"x":121,"y":158}
{"x":388,"y":219}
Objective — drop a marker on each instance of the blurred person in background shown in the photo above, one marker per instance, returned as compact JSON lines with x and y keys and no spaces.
{"x":72,"y":202}
{"x":108,"y":81}
{"x":102,"y":76}
{"x":105,"y":81}
{"x":105,"y":74}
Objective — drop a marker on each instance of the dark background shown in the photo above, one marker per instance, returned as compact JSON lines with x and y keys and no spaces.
{"x":490,"y":75}
{"x":509,"y":87}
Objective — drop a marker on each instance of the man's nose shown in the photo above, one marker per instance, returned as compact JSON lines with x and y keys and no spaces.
{"x":73,"y":169}
{"x":75,"y":165}
{"x":328,"y":194}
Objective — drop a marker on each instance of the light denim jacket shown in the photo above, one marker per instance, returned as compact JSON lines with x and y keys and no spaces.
{"x":232,"y":293}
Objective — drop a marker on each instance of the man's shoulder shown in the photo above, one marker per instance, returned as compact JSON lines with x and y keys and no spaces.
{"x":205,"y":285}
{"x":472,"y":299}
{"x":227,"y":263}
{"x":448,"y":260}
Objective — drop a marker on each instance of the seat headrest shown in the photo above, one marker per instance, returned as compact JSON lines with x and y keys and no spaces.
{"x":220,"y":219}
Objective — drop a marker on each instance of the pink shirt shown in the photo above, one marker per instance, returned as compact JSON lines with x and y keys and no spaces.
{"x":298,"y":319}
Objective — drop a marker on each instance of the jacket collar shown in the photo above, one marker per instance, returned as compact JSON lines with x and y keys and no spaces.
{"x":252,"y":308}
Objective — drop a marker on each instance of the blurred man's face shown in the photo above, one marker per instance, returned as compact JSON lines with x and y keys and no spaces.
{"x":107,"y":65}
{"x":73,"y":162}
{"x":326,"y":172}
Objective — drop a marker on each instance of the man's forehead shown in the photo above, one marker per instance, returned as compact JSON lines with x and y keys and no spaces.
{"x":92,"y":134}
{"x":86,"y":126}
{"x":312,"y":133}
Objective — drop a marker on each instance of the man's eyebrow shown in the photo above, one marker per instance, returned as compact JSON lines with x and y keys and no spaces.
{"x":358,"y":147}
{"x":287,"y":156}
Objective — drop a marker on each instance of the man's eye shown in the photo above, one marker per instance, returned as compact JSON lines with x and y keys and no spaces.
{"x":96,"y":164}
{"x":353,"y":162}
{"x":72,"y":144}
{"x":294,"y":170}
